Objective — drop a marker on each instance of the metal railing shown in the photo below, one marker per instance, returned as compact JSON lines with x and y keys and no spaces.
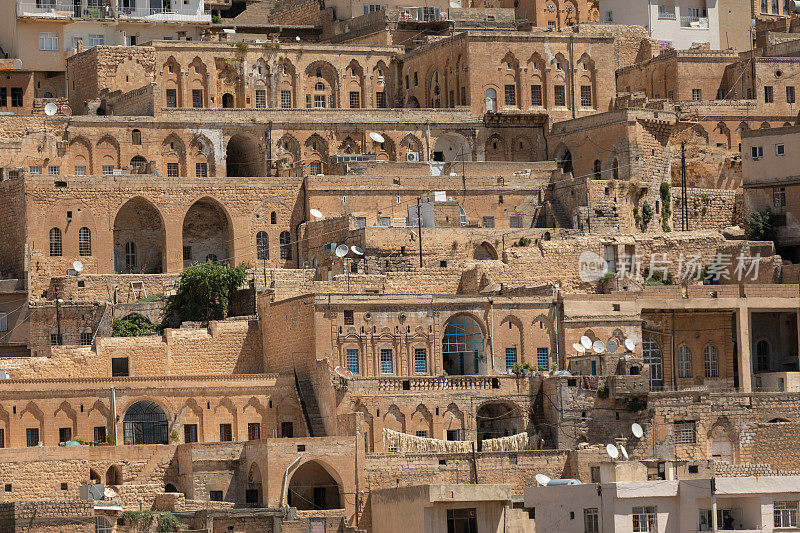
{"x":666,"y":15}
{"x":694,"y":22}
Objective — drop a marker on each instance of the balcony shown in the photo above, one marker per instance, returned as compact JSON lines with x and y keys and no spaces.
{"x":666,"y":15}
{"x":694,"y":22}
{"x":166,"y":12}
{"x":60,"y":10}
{"x":437,"y":383}
{"x":78,"y":10}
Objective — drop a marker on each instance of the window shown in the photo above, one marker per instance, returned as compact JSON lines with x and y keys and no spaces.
{"x":55,"y":242}
{"x":764,"y":6}
{"x":536,"y":95}
{"x":261,"y":99}
{"x":172,"y":170}
{"x":421,"y":360}
{"x":387,"y":366}
{"x":48,"y":41}
{"x":710,"y":362}
{"x":415,"y":80}
{"x":64,"y":434}
{"x":108,"y":170}
{"x":488,"y":222}
{"x":684,"y":432}
{"x":559,"y":96}
{"x":319,"y":100}
{"x":785,"y":514}
{"x":768,"y":94}
{"x":197,"y":98}
{"x":756,"y":152}
{"x":95,"y":39}
{"x":85,"y":242}
{"x":684,"y":362}
{"x":779,"y":196}
{"x":355,"y":99}
{"x":286,"y":99}
{"x":56,"y":339}
{"x":16,"y":97}
{"x":775,"y":6}
{"x":511,"y":95}
{"x":172,"y":98}
{"x":315,"y":167}
{"x":349,"y":320}
{"x":190,"y":433}
{"x":215,"y":495}
{"x":645,"y":519}
{"x":286,"y":245}
{"x":586,"y":96}
{"x":780,"y":149}
{"x":762,"y":356}
{"x":99,"y":433}
{"x":380,"y":99}
{"x":697,"y":94}
{"x":130,"y":255}
{"x":790,"y":94}
{"x":609,"y":16}
{"x":253,"y":431}
{"x":462,"y":520}
{"x":262,"y":246}
{"x":273,"y":218}
{"x":201,"y":170}
{"x":3,"y":97}
{"x":119,"y":366}
{"x":3,"y":321}
{"x":225,"y":433}
{"x":515,"y":221}
{"x":511,"y":356}
{"x":372,"y":8}
{"x":80,"y":170}
{"x":32,"y":436}
{"x":35,"y":169}
{"x":422,"y":433}
{"x":53,"y":170}
{"x":720,"y":94}
{"x":86,"y":338}
{"x":591,"y":521}
{"x":287,"y":430}
{"x":352,"y":360}
{"x":543,"y":358}
{"x":406,"y":81}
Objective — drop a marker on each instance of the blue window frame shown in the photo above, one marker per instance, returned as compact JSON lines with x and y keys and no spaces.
{"x":420,"y":360}
{"x":543,"y":358}
{"x":386,"y":361}
{"x":511,"y":356}
{"x":352,"y":360}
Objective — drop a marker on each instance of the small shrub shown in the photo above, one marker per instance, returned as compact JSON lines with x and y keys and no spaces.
{"x":666,"y":210}
{"x":647,"y":215}
{"x":760,"y":226}
{"x":215,"y":19}
{"x":602,"y":392}
{"x":242,"y":47}
{"x":134,"y":325}
{"x":521,"y":243}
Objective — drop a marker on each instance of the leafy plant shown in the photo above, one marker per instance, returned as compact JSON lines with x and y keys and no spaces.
{"x":520,"y":368}
{"x":647,"y":215}
{"x":761,"y":226}
{"x":521,"y":243}
{"x":168,"y":522}
{"x":173,"y":436}
{"x":242,"y":47}
{"x":633,"y":188}
{"x":111,"y":439}
{"x":134,"y":325}
{"x":142,"y":520}
{"x":204,"y":292}
{"x":216,"y":19}
{"x":602,"y":392}
{"x":658,"y":277}
{"x":666,"y":210}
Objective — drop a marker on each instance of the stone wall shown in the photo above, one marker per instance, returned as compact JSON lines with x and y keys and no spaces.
{"x":707,"y":208}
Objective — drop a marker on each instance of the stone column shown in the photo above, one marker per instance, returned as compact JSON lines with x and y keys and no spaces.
{"x":744,"y":345}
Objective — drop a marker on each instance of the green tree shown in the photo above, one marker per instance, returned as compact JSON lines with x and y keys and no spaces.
{"x":133,"y":325}
{"x":204,"y":292}
{"x":760,"y":226}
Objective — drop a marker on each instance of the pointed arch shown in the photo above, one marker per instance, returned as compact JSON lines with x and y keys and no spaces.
{"x":197,"y":79}
{"x":107,"y":153}
{"x":355,"y":96}
{"x":207,"y":232}
{"x":138,"y":221}
{"x":171,"y":83}
{"x":173,"y":155}
{"x":287,"y":84}
{"x":201,"y":152}
{"x":322,"y":85}
{"x":80,"y":150}
{"x":411,"y":144}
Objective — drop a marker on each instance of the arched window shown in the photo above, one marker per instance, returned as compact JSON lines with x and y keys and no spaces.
{"x":136,"y":137}
{"x":491,"y":100}
{"x":762,"y":356}
{"x":651,"y":354}
{"x":145,"y":423}
{"x":138,"y":161}
{"x":615,"y":169}
{"x":130,"y":255}
{"x":597,"y":169}
{"x":85,"y":241}
{"x":462,"y":346}
{"x":286,"y":245}
{"x":102,"y":525}
{"x":684,"y":362}
{"x":273,"y":218}
{"x":710,"y":362}
{"x":262,"y":246}
{"x":55,"y":242}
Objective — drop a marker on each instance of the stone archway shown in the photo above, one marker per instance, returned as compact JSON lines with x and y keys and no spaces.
{"x":145,"y":423}
{"x":313,"y":487}
{"x":452,"y":147}
{"x":463,"y":346}
{"x":139,"y":238}
{"x":497,"y":419}
{"x":244,"y":157}
{"x":207,"y":233}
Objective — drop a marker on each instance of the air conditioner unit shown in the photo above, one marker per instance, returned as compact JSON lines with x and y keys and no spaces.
{"x":412,"y":157}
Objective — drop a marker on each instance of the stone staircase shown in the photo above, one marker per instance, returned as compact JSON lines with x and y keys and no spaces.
{"x":559,"y":215}
{"x":308,"y":402}
{"x":153,"y":471}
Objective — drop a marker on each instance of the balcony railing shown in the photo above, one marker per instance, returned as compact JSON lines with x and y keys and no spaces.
{"x":59,"y":10}
{"x":666,"y":15}
{"x":694,"y":22}
{"x":431,"y":383}
{"x":161,"y":12}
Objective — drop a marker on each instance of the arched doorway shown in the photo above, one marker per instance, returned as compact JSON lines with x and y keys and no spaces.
{"x":721,"y":446}
{"x":252,"y":493}
{"x":485,"y":251}
{"x":170,"y":488}
{"x":206,"y":233}
{"x":138,"y":238}
{"x":491,"y":100}
{"x":113,"y":475}
{"x":452,"y":147}
{"x":145,"y":423}
{"x":463,"y":346}
{"x":227,"y":101}
{"x":243,"y":157}
{"x":564,"y":161}
{"x":312,"y":487}
{"x":498,"y":419}
{"x":651,"y":354}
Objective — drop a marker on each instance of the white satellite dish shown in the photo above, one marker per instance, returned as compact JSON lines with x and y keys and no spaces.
{"x":542,"y":480}
{"x":630,"y":345}
{"x":356,"y":250}
{"x":78,"y":266}
{"x":377,"y":137}
{"x":341,"y":250}
{"x":612,"y":451}
{"x":586,"y":342}
{"x":316,"y":213}
{"x":50,"y":109}
{"x":598,"y":347}
{"x":624,"y":451}
{"x":578,"y":347}
{"x":297,"y":38}
{"x":637,"y":430}
{"x":612,"y":346}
